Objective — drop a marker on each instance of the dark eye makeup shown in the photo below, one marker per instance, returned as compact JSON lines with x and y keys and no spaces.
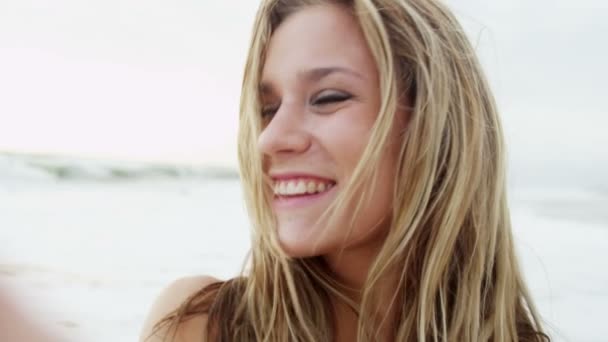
{"x":328,"y":97}
{"x":269,"y":111}
{"x":321,"y":99}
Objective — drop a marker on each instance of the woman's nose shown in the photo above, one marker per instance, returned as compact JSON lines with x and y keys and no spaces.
{"x":284,"y":133}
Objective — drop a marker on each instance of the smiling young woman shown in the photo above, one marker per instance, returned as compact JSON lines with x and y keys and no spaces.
{"x":372,"y":161}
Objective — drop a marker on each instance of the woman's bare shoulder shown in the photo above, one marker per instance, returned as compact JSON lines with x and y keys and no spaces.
{"x":169,"y":300}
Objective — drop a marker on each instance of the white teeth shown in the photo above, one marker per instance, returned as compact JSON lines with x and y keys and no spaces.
{"x":321,"y":187}
{"x":311,"y":187}
{"x":300,"y":187}
{"x":291,"y":188}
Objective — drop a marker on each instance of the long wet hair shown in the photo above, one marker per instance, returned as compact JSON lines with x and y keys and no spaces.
{"x":449,"y":244}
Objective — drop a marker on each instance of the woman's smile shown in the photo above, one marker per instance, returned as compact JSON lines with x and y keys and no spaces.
{"x":299,"y":190}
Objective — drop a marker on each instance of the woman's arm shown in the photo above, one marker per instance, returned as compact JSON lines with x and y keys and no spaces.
{"x":16,"y":325}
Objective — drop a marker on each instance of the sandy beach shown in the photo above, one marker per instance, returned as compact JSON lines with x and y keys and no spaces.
{"x":87,"y":253}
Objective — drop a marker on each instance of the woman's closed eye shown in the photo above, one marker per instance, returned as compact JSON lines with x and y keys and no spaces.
{"x":269,"y":111}
{"x":329,"y":97}
{"x":323,"y":99}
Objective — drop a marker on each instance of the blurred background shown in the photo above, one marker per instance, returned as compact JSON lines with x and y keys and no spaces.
{"x":118,"y":168}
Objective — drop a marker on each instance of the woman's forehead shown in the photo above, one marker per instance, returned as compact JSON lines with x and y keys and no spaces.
{"x":316,"y":40}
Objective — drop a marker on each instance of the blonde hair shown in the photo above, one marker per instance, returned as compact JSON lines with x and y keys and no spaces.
{"x":450,"y":241}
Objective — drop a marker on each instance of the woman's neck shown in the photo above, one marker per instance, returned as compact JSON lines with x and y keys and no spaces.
{"x":351,"y":267}
{"x":351,"y":264}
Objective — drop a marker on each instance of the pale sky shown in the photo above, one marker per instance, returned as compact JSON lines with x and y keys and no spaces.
{"x":160,"y":80}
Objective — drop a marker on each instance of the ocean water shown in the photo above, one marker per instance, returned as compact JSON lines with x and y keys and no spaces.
{"x":86,"y":247}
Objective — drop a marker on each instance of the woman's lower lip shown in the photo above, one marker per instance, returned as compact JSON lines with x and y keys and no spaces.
{"x":292,"y":202}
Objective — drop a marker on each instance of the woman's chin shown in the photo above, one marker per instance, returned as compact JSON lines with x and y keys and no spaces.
{"x":301,"y":244}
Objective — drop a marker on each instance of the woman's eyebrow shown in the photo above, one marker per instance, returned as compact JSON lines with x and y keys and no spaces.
{"x":317,"y":74}
{"x":312,"y":75}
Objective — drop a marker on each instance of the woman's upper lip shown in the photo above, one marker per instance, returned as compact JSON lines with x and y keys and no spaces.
{"x":295,"y":175}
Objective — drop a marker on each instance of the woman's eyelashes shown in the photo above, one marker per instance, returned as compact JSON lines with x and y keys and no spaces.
{"x":330,"y":97}
{"x":267,"y":112}
{"x":322,"y":100}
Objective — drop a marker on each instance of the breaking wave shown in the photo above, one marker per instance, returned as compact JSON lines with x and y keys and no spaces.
{"x":29,"y":167}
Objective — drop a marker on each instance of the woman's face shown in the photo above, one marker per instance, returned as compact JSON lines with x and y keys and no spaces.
{"x":320,"y":98}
